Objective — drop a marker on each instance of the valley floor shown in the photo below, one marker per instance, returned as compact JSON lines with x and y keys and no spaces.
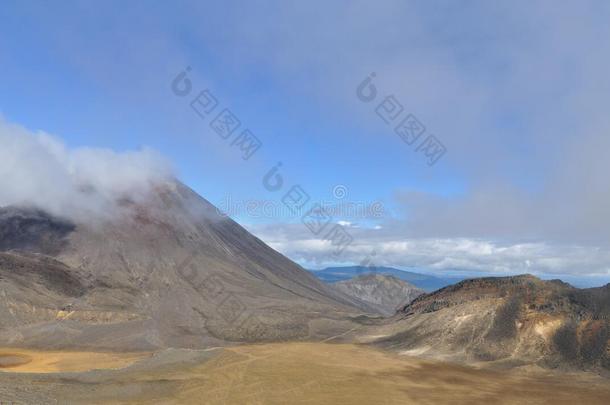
{"x":283,"y":373}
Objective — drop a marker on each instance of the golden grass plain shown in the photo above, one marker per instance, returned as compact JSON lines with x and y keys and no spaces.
{"x":298,"y":373}
{"x":313,"y":373}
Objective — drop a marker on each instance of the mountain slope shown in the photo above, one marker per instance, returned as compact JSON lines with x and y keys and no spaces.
{"x":164,"y":271}
{"x":506,"y":320}
{"x":385,"y":293}
{"x":424,"y":281}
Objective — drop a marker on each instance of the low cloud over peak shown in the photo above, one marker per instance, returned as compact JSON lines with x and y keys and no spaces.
{"x":39,"y":170}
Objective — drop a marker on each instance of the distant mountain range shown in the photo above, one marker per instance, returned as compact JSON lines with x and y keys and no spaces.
{"x":426,"y":282}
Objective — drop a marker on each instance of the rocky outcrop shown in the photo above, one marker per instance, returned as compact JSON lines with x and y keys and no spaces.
{"x":385,"y":293}
{"x":508,"y":321}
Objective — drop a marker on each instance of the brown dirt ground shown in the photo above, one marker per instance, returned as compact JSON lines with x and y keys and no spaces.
{"x":283,"y":373}
{"x":32,"y":361}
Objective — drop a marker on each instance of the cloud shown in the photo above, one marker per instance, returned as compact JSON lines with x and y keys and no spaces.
{"x":37,"y":169}
{"x":517,"y":91}
{"x":389,"y":247}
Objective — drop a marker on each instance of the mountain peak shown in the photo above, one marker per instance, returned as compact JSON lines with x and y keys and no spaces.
{"x":171,"y":263}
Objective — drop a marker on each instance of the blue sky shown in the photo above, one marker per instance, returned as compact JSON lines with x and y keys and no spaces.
{"x":514,"y":90}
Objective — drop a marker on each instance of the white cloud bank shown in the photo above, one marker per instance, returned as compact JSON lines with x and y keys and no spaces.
{"x":442,"y":255}
{"x":37,"y":169}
